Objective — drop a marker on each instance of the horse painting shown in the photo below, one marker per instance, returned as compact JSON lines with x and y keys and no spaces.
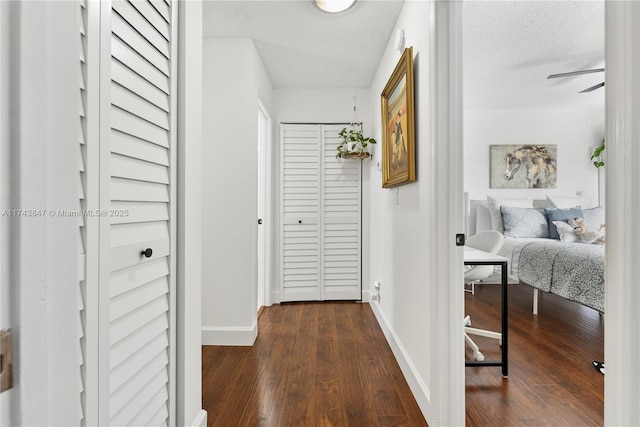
{"x":529,"y":166}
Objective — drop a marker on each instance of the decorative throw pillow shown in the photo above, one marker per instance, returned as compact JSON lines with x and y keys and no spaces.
{"x":524,"y":222}
{"x":566,"y":232}
{"x":560,"y":215}
{"x":494,"y":209}
{"x":565,"y":202}
{"x":594,"y":217}
{"x":483,"y":217}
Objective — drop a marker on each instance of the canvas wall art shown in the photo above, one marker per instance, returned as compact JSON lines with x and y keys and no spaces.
{"x":523,"y":166}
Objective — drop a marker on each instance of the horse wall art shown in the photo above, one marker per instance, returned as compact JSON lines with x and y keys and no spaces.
{"x":523,"y":166}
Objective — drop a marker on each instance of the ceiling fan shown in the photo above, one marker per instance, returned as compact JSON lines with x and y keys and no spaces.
{"x":576,"y":73}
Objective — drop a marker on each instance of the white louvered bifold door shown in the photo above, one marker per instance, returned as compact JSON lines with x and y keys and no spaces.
{"x":300,"y":207}
{"x":321,"y":221}
{"x":137,"y":188}
{"x":341,"y":221}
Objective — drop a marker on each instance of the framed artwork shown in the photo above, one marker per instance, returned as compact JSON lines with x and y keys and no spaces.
{"x":398,"y":131}
{"x":523,"y":166}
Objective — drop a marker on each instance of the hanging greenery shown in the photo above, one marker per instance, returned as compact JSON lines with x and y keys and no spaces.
{"x":598,"y":155}
{"x":354,"y":144}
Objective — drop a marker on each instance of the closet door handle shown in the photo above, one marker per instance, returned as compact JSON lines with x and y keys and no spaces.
{"x":147,"y":252}
{"x":259,"y":221}
{"x":299,"y":221}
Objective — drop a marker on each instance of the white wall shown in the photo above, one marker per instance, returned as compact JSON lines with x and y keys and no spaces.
{"x":6,"y":399}
{"x":576,"y":132}
{"x":321,"y":105}
{"x":399,"y":254}
{"x":234,"y":81}
{"x":41,"y":265}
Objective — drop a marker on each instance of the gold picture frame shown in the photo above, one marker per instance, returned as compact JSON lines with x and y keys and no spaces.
{"x":398,"y":126}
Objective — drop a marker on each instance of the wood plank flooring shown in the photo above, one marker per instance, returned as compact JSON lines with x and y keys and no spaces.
{"x":551,"y":381}
{"x":313,"y":364}
{"x":328,"y":364}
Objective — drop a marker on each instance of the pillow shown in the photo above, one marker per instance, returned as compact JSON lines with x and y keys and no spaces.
{"x":483,"y":218}
{"x":524,"y":222}
{"x":566,"y":232}
{"x":494,"y":209}
{"x":560,"y":215}
{"x":594,"y":217}
{"x":565,"y":202}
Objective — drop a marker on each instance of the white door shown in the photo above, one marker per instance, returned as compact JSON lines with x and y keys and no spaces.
{"x":341,"y":202}
{"x":262,"y":204}
{"x":136,"y":245}
{"x":300,"y":177}
{"x":321,"y":216}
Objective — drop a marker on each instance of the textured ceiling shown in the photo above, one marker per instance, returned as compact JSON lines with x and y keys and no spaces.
{"x":302,"y":47}
{"x":510,"y":47}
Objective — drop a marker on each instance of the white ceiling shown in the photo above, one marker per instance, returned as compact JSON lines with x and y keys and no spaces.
{"x":302,"y":47}
{"x":509,"y":46}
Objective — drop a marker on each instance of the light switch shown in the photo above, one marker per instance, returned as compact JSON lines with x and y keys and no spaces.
{"x":396,"y":196}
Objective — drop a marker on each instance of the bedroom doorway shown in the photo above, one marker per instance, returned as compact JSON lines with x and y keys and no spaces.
{"x":508,"y":100}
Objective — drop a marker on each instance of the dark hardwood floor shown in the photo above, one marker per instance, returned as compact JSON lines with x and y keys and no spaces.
{"x":313,"y":364}
{"x":328,"y":364}
{"x":551,"y":381}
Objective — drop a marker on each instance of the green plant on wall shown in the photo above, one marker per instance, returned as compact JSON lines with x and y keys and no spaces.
{"x":598,"y":156}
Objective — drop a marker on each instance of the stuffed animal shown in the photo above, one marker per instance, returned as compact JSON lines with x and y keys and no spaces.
{"x":586,"y":234}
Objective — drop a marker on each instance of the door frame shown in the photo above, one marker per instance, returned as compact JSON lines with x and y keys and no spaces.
{"x":621,"y":344}
{"x":447,"y":393}
{"x":265,"y":212}
{"x":622,"y":107}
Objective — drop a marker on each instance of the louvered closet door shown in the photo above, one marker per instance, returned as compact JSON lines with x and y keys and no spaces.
{"x":137,"y":146}
{"x":300,"y":207}
{"x":341,"y":221}
{"x":320,"y":205}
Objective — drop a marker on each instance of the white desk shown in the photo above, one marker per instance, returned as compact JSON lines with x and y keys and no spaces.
{"x":476,"y":257}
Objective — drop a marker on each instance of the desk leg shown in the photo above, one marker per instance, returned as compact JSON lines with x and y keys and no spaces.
{"x":505,"y":322}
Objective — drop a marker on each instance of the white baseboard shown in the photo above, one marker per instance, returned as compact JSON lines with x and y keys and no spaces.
{"x":417,"y":386}
{"x":276,"y":297}
{"x":230,"y":335}
{"x":201,"y":419}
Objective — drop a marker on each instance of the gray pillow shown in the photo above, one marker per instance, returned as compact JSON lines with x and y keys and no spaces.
{"x":594,"y":217}
{"x":560,"y":215}
{"x":524,"y":222}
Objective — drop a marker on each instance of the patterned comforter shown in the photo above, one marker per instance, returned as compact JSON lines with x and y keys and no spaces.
{"x":574,"y":271}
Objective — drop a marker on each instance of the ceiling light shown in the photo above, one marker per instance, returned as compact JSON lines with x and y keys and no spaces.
{"x":333,"y":6}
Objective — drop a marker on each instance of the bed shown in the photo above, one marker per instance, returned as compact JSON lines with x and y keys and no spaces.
{"x":540,"y":247}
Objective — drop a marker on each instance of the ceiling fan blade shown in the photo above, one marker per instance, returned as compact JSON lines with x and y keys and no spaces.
{"x":592,"y":88}
{"x":575,"y":73}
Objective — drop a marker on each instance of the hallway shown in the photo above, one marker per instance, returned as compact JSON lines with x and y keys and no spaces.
{"x":313,"y":364}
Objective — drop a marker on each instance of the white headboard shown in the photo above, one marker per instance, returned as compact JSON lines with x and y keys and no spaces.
{"x":471,"y":213}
